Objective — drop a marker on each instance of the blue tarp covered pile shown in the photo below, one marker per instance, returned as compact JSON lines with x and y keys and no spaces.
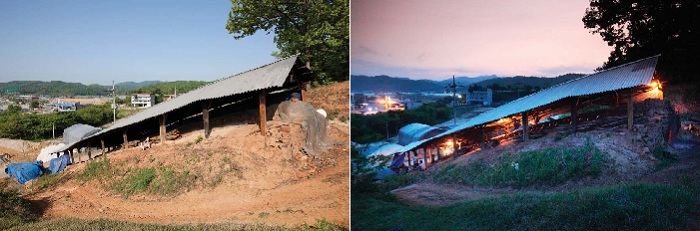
{"x":58,"y":164}
{"x":25,"y":171}
{"x":398,"y":161}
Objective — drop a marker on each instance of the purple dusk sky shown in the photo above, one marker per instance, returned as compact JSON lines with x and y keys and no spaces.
{"x":438,"y":39}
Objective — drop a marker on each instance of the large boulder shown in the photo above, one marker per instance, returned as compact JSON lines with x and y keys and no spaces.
{"x":313,"y":123}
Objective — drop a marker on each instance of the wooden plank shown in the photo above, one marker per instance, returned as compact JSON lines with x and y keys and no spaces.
{"x":162,"y":128}
{"x":205,"y":118}
{"x":262,"y":106}
{"x":80,"y":156}
{"x":524,"y":122}
{"x":630,"y":111}
{"x":72,"y":157}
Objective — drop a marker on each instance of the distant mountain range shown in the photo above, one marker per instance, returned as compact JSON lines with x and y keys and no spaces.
{"x":542,"y":82}
{"x":60,"y":88}
{"x":466,"y":81}
{"x":383,"y":83}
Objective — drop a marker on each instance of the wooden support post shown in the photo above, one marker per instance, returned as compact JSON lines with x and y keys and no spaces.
{"x":574,"y":115}
{"x":303,"y":91}
{"x":104,"y":153}
{"x":126,"y":141}
{"x":72,"y":157}
{"x":205,"y":118}
{"x":80,"y":156}
{"x":454,"y":146}
{"x":483,"y":137}
{"x":162,"y":128}
{"x":425,"y":156}
{"x":525,"y":123}
{"x":89,"y":151}
{"x":263,"y":113}
{"x":630,"y":111}
{"x":429,"y":153}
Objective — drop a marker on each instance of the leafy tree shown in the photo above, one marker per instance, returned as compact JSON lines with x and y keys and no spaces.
{"x":318,"y":29}
{"x":638,"y":29}
{"x":34,"y":104}
{"x":13,"y":108}
{"x":475,"y":87}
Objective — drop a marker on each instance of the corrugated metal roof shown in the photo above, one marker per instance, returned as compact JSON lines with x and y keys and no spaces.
{"x":628,"y":75}
{"x":386,"y":150}
{"x":263,"y":77}
{"x":416,"y":131}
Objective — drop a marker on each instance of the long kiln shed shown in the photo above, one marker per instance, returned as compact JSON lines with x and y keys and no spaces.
{"x":255,"y":89}
{"x":587,"y":98}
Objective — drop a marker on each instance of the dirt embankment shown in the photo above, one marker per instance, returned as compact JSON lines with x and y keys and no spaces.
{"x":643,"y":155}
{"x":242,"y":177}
{"x":334,"y":99}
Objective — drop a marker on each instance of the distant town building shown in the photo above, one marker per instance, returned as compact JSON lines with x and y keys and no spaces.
{"x":66,"y":106}
{"x":143,"y":100}
{"x":480,"y":97}
{"x":86,"y":100}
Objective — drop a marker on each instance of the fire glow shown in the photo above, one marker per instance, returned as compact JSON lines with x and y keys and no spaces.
{"x":447,"y":148}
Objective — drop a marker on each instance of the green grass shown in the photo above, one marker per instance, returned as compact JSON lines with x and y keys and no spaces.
{"x":665,"y":158}
{"x":136,"y":182}
{"x":45,"y":181}
{"x":14,"y":210}
{"x":622,"y":207}
{"x":103,"y":224}
{"x":161,"y":180}
{"x":546,"y":166}
{"x":97,"y":170}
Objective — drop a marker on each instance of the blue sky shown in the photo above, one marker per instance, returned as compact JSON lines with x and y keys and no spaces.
{"x":100,"y":41}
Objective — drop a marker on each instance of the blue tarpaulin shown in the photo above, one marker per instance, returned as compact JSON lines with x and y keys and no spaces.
{"x":397,"y":162}
{"x":24,"y":171}
{"x":58,"y":164}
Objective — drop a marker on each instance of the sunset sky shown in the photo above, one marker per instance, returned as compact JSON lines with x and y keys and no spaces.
{"x":438,"y":39}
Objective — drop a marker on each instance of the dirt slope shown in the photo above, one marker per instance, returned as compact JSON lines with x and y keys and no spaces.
{"x":264,"y":179}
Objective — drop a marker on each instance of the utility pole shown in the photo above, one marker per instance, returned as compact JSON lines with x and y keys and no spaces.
{"x":387,"y":130}
{"x":114,"y":103}
{"x":454,"y":99}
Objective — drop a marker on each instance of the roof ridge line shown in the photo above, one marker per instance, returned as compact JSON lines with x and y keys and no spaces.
{"x":608,"y":69}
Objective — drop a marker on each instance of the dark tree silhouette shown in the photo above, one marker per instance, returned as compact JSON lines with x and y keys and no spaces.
{"x":637,"y":29}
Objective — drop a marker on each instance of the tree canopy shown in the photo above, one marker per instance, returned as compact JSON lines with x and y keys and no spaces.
{"x":637,"y":29}
{"x":316,"y":29}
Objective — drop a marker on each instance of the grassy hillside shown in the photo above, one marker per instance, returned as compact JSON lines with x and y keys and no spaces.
{"x":161,"y":89}
{"x":53,"y":88}
{"x":621,"y":207}
{"x":130,"y":86}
